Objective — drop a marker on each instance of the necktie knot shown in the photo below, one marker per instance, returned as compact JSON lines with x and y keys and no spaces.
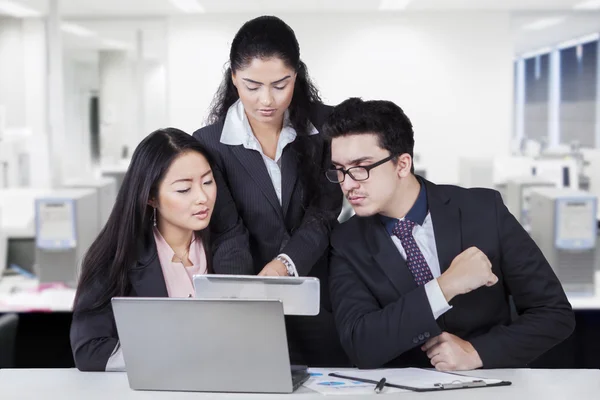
{"x":403,"y":228}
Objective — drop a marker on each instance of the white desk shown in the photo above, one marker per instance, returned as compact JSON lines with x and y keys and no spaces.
{"x":72,"y":384}
{"x":21,"y":294}
{"x":581,"y":302}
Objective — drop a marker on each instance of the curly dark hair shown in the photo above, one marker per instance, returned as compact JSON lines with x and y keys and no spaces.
{"x":268,"y":37}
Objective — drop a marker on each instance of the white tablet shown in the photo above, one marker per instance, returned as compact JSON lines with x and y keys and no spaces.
{"x":299,"y":295}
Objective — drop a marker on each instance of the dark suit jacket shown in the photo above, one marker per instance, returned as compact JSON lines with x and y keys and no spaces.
{"x":249,"y":227}
{"x":94,"y":336}
{"x":383,"y":317}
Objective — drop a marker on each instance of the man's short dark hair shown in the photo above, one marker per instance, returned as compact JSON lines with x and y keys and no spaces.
{"x":382,"y":118}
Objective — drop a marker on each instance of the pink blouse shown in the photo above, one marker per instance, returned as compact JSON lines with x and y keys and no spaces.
{"x":178,"y":278}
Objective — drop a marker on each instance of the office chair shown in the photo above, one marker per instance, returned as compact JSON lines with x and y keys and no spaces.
{"x":8,"y":335}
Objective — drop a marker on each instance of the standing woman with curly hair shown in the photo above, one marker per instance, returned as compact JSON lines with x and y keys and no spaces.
{"x":274,"y":209}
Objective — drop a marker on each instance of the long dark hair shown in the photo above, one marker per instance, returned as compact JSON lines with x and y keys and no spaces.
{"x":129,"y":228}
{"x":266,"y":37}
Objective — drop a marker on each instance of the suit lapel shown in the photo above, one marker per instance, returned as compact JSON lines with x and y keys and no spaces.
{"x":388,"y":257}
{"x":289,"y":175}
{"x":445,"y":216}
{"x":147,"y":277}
{"x":255,"y":166}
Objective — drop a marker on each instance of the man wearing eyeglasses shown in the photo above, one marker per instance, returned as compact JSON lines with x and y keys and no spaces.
{"x":422,"y":274}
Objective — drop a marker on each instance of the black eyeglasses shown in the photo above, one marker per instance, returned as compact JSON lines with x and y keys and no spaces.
{"x":360,"y":173}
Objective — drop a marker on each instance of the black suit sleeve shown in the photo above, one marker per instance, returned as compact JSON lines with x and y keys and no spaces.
{"x":310,"y":240}
{"x":230,"y":243}
{"x":321,"y":215}
{"x":372,"y":335}
{"x":93,"y":335}
{"x":545,"y":315}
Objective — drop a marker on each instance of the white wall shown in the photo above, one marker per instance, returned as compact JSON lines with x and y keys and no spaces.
{"x":12,"y":79}
{"x":132,"y":79}
{"x":24,"y":80}
{"x":23,"y":89}
{"x":118,"y":105}
{"x":450,"y":72}
{"x":82,"y":82}
{"x":36,"y":100}
{"x":133,"y":101}
{"x":155,"y":96}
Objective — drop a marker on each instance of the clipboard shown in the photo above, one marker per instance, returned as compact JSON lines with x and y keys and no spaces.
{"x":405,"y":378}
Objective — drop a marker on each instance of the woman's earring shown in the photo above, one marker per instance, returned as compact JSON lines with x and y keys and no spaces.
{"x":155,"y":217}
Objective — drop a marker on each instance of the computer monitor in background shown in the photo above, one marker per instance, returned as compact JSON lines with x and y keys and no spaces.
{"x":562,"y":172}
{"x":21,"y":254}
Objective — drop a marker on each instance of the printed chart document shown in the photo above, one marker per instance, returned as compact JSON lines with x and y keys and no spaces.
{"x":330,"y":381}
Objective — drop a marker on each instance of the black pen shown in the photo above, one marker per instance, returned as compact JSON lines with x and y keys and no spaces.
{"x":380,"y":386}
{"x":352,"y":378}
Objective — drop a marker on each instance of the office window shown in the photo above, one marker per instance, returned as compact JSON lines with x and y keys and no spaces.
{"x":537,"y":75}
{"x":578,"y":77}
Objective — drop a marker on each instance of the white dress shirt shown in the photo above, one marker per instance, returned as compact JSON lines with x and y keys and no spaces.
{"x":116,"y":362}
{"x":237,"y":131}
{"x":425,"y":238}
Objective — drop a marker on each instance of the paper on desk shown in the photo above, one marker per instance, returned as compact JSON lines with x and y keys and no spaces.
{"x":415,"y":377}
{"x":321,"y":382}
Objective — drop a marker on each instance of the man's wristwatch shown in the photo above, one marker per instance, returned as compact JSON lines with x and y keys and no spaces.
{"x":288,"y":266}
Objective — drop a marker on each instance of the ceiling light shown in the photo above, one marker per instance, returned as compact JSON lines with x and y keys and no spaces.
{"x":188,"y":6}
{"x":76,"y":30}
{"x":588,"y":5}
{"x":543,"y":23}
{"x":393,"y":4}
{"x":17,"y":10}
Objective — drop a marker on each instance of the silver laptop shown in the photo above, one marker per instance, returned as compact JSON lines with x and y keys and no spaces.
{"x":299,"y":295}
{"x":205,"y":345}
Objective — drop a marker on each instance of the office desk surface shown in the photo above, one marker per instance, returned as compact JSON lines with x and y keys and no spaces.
{"x":21,"y":294}
{"x":72,"y":384}
{"x":587,"y":302}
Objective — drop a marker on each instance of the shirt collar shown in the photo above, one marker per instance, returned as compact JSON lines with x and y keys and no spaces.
{"x":237,"y":130}
{"x":166,"y":253}
{"x":416,"y":214}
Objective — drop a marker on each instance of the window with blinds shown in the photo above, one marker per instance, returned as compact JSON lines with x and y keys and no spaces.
{"x":537,"y":84}
{"x":578,"y":94}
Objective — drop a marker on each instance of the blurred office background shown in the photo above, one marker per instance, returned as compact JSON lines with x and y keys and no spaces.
{"x":502,"y":94}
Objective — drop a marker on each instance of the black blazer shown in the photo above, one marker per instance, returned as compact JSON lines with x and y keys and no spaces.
{"x":249,"y":227}
{"x":383,"y":317}
{"x":94,"y":336}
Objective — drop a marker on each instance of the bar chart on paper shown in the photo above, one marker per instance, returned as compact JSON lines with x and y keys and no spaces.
{"x":321,"y":382}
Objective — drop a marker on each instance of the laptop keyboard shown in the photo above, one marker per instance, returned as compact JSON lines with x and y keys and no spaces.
{"x":298,"y":378}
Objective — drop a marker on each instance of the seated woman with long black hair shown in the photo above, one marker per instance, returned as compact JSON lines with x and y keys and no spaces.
{"x":152,"y":244}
